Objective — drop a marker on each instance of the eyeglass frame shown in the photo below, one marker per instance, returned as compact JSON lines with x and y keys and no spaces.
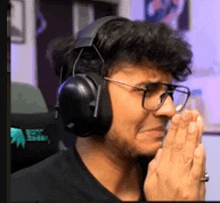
{"x":145,"y":90}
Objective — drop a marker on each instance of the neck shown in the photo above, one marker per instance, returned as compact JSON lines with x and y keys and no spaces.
{"x":122,"y":177}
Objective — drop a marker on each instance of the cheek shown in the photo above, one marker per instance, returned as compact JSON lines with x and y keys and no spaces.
{"x":127,"y":112}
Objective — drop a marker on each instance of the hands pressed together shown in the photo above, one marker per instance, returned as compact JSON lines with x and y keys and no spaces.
{"x":175,"y":172}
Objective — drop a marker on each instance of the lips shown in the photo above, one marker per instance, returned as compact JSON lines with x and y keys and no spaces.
{"x":160,"y":128}
{"x":157,"y":132}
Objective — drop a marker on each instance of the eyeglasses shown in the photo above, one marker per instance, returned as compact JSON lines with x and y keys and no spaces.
{"x":155,"y":94}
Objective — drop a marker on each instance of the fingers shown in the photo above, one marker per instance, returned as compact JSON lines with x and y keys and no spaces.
{"x":195,"y":114}
{"x":182,"y":132}
{"x":197,"y":170}
{"x":191,"y":142}
{"x":193,"y":138}
{"x":200,"y":121}
{"x":177,"y":133}
{"x":170,"y":137}
{"x":184,"y":135}
{"x":155,"y":162}
{"x":196,"y":117}
{"x":203,"y":186}
{"x":158,"y":156}
{"x":187,"y":116}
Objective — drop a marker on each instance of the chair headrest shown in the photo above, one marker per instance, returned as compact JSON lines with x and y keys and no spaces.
{"x":28,"y":107}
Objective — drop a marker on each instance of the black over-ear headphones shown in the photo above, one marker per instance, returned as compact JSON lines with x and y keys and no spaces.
{"x":83,"y":101}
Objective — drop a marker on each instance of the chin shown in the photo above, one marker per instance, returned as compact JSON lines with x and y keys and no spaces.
{"x":150,"y":150}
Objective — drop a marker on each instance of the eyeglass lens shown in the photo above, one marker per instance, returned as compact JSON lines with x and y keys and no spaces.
{"x":180,"y":97}
{"x":158,"y":93}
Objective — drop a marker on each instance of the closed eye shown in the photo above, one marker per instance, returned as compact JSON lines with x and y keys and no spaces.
{"x":154,"y":88}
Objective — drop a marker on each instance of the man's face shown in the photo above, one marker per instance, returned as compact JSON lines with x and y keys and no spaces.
{"x":135,"y":131}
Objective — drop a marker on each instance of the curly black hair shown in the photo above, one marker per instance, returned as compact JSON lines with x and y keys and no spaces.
{"x":138,"y":42}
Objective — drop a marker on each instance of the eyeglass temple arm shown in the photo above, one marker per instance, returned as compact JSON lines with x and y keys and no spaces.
{"x":106,"y":78}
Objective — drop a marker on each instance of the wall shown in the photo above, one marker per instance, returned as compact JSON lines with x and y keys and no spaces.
{"x":124,"y":8}
{"x":137,"y":9}
{"x":23,"y":56}
{"x":205,"y":40}
{"x":58,"y":17}
{"x":212,"y":144}
{"x":204,"y":37}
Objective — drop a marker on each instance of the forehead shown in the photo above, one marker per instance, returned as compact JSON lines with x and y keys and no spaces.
{"x":136,"y":73}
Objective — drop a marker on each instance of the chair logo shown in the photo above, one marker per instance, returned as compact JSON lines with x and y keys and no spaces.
{"x":17,"y":137}
{"x":35,"y":135}
{"x":31,"y":135}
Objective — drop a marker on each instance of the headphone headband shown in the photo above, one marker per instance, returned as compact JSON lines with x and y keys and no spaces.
{"x":83,"y":99}
{"x":87,"y":35}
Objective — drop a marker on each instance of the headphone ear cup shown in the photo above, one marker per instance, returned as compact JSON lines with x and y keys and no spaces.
{"x":104,"y":110}
{"x":84,"y":105}
{"x":76,"y":97}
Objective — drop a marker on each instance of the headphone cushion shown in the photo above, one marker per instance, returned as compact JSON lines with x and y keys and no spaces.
{"x":77,"y":103}
{"x":75,"y":97}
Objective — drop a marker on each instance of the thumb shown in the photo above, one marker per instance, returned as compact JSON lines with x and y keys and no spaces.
{"x":155,"y":162}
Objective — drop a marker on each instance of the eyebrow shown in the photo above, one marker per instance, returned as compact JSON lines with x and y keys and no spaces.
{"x":135,"y":85}
{"x":144,"y":83}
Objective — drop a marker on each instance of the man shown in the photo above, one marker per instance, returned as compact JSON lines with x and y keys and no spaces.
{"x":127,"y":163}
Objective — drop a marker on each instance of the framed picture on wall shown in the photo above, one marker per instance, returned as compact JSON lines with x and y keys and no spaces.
{"x":175,"y":13}
{"x":17,"y":21}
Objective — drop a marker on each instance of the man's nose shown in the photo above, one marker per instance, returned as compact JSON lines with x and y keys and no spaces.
{"x":167,"y":109}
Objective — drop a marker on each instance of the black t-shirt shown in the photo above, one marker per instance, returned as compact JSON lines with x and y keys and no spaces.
{"x":61,"y":177}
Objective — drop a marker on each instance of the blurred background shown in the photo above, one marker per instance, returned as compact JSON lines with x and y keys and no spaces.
{"x":34,"y":23}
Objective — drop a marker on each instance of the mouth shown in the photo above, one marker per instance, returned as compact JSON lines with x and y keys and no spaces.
{"x":156,"y":129}
{"x":156,"y":133}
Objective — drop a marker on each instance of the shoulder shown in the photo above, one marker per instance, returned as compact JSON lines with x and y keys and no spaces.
{"x":61,"y":177}
{"x":40,"y":181}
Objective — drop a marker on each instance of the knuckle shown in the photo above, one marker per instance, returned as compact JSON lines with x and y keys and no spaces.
{"x":188,"y":159}
{"x":177,"y":146}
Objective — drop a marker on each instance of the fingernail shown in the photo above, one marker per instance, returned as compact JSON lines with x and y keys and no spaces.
{"x":199,"y":118}
{"x":191,"y":127}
